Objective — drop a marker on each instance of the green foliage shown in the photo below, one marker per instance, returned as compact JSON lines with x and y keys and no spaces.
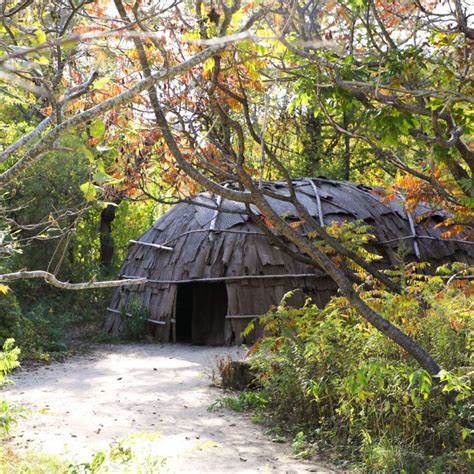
{"x":30,"y":462}
{"x":134,"y":319}
{"x":40,"y":318}
{"x":131,"y":220}
{"x":244,"y":401}
{"x":43,"y":320}
{"x":8,"y":361}
{"x":8,"y":416}
{"x":10,"y":317}
{"x":384,"y":456}
{"x":105,"y":338}
{"x":48,"y":323}
{"x":44,"y":330}
{"x":50,"y":193}
{"x":353,"y":235}
{"x":330,"y":376}
{"x":135,"y":453}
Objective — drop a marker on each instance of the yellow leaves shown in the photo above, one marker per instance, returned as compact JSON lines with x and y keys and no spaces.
{"x":40,"y":36}
{"x":134,"y":55}
{"x":101,"y":55}
{"x":237,"y":18}
{"x":97,"y":128}
{"x":253,"y":67}
{"x":191,"y":35}
{"x":43,"y":60}
{"x":453,"y":231}
{"x":4,"y":289}
{"x":208,"y":65}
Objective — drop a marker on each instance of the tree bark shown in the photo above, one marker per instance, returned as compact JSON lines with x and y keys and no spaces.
{"x":107,"y":247}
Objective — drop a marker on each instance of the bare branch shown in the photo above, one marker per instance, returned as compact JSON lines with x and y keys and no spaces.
{"x":53,"y":281}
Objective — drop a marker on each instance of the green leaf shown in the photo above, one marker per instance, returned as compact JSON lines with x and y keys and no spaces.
{"x":89,"y":191}
{"x":305,"y":99}
{"x":88,"y":154}
{"x":465,"y":433}
{"x":101,"y":83}
{"x":104,"y":178}
{"x":69,"y":44}
{"x":97,"y":128}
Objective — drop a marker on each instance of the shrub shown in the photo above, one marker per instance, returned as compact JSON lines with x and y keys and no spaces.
{"x":10,"y":316}
{"x":8,"y":361}
{"x":49,"y":320}
{"x":248,"y":400}
{"x":134,"y":321}
{"x":135,"y":453}
{"x":328,"y":375}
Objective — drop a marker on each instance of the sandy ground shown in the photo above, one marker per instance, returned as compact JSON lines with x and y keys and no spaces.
{"x":90,"y":401}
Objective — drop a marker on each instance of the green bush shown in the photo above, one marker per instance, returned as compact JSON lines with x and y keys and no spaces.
{"x":328,"y":374}
{"x":8,"y":361}
{"x":134,"y":318}
{"x":242,"y":402}
{"x":49,"y":319}
{"x":10,"y":317}
{"x":39,"y":332}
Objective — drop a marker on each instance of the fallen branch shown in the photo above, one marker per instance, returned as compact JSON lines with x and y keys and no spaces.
{"x":53,"y":281}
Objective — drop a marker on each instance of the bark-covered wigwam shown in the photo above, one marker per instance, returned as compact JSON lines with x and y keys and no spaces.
{"x":210,"y":268}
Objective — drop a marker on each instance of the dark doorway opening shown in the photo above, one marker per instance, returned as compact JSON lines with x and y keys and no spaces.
{"x":184,"y":313}
{"x":201,"y":309}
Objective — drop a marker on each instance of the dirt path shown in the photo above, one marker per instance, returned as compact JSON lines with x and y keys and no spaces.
{"x":90,"y":401}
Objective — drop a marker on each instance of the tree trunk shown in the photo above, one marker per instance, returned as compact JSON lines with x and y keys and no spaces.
{"x":107,"y":247}
{"x":346,"y":172}
{"x":312,"y":144}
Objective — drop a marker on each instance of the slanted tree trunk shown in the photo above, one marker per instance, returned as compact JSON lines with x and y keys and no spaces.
{"x":257,"y":198}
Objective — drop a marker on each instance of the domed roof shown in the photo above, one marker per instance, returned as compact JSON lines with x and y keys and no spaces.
{"x":212,"y":237}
